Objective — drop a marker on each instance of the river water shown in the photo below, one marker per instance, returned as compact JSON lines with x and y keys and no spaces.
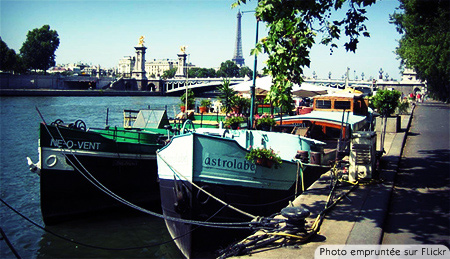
{"x":19,"y":187}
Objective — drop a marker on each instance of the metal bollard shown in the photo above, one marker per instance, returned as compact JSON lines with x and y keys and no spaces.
{"x":295,"y":218}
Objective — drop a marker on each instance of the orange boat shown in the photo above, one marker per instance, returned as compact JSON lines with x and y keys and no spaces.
{"x":333,"y":116}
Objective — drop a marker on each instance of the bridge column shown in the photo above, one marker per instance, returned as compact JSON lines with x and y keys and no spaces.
{"x":139,"y":68}
{"x":181,"y":70}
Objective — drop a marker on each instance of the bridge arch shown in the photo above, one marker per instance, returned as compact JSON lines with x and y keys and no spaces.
{"x":151,"y":87}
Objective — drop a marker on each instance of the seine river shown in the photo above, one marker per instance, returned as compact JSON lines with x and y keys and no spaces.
{"x":20,"y":188}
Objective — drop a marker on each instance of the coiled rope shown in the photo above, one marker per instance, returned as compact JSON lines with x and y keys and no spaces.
{"x":265,"y":237}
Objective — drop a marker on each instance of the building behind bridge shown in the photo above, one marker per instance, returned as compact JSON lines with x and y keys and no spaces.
{"x":154,"y":68}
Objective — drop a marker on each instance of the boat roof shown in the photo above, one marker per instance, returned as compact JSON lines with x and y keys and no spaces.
{"x":155,"y":119}
{"x":346,"y":93}
{"x":334,"y":117}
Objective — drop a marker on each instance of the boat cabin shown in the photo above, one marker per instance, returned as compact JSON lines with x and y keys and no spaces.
{"x":333,"y":116}
{"x":352,"y":102}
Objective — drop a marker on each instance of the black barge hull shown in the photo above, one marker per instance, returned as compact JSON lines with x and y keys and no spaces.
{"x":81,"y":171}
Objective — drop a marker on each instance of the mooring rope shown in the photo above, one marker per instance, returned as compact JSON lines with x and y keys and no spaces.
{"x":299,"y":165}
{"x":71,"y":240}
{"x":11,"y":247}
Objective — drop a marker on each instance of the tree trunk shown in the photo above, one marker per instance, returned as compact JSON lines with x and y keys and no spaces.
{"x":383,"y":134}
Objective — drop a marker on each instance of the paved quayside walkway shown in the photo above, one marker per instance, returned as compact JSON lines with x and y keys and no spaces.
{"x":419,"y":207}
{"x":419,"y":211}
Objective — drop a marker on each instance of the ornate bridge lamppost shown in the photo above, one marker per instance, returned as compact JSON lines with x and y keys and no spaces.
{"x":381,"y":73}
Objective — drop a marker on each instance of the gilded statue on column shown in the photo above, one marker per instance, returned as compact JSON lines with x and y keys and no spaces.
{"x":141,"y":41}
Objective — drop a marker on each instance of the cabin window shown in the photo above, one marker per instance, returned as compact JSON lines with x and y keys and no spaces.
{"x":333,"y":133}
{"x":323,"y":104}
{"x":341,"y":105}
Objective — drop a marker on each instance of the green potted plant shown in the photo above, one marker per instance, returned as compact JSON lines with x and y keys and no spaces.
{"x":265,"y":122}
{"x":385,"y":102}
{"x":190,"y":101}
{"x":240,"y":104}
{"x":204,"y":105}
{"x":234,"y":120}
{"x":264,"y":157}
{"x":226,"y":95}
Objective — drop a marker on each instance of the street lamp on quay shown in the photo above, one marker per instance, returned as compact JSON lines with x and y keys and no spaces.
{"x":253,"y":86}
{"x":187,"y":84}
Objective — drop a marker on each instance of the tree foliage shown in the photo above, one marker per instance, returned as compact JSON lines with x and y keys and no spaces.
{"x":38,"y":50}
{"x":201,"y":72}
{"x":425,"y":44}
{"x":8,"y":57}
{"x":386,"y":101}
{"x":246,"y":71}
{"x":170,"y":73}
{"x":293,"y":27}
{"x":228,"y":69}
{"x":280,"y":95}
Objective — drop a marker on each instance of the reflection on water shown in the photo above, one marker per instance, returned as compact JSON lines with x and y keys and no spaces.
{"x":112,"y":235}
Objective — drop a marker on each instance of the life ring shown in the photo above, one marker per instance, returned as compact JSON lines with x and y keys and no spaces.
{"x":79,"y":124}
{"x":50,"y":163}
{"x":202,"y":200}
{"x":57,"y":122}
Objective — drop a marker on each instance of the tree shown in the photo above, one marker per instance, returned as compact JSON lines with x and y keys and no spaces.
{"x":425,"y":44}
{"x":228,"y":69}
{"x":280,"y":95}
{"x":245,"y":71}
{"x":170,"y":73}
{"x":386,"y":101}
{"x":38,"y":50}
{"x":210,"y":72}
{"x":8,"y":57}
{"x":293,"y":26}
{"x":201,"y":72}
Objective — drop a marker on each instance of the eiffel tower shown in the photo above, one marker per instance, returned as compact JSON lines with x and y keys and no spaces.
{"x":238,"y":57}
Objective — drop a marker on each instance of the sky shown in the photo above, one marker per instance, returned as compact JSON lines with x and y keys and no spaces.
{"x":100,"y":32}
